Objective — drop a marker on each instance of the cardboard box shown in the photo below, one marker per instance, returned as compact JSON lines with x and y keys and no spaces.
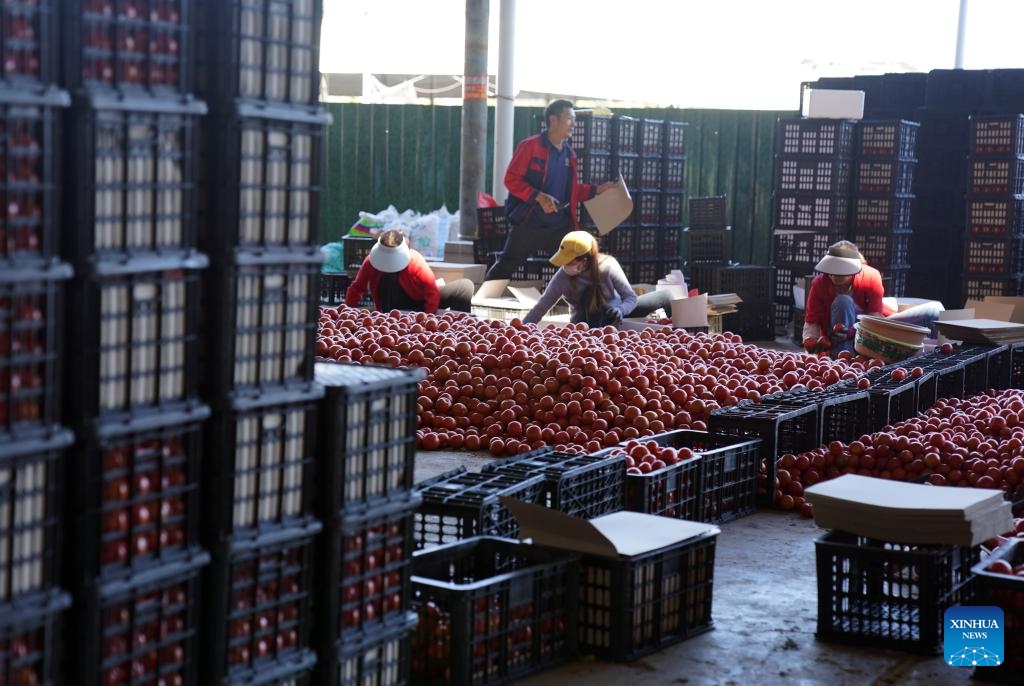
{"x":833,"y":104}
{"x":645,"y":581}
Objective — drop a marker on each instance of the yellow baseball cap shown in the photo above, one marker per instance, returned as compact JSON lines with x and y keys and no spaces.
{"x":575,"y":244}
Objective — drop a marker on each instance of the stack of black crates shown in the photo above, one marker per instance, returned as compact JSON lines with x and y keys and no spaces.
{"x":33,"y":443}
{"x":882,"y":198}
{"x":650,"y":156}
{"x":366,"y":451}
{"x":812,"y":186}
{"x":133,"y":555}
{"x":993,"y":244}
{"x":260,"y":159}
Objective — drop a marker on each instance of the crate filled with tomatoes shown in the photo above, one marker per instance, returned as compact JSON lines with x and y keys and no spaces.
{"x":999,"y":582}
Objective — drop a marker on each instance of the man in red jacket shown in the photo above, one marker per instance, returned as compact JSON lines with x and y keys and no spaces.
{"x":544,"y":191}
{"x":400,"y":279}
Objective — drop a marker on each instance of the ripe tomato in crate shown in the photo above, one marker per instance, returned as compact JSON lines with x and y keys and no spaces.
{"x":999,"y":581}
{"x":30,"y":342}
{"x":137,"y":630}
{"x":259,"y":606}
{"x":28,"y":639}
{"x":28,"y":35}
{"x":492,"y":610}
{"x":136,"y":503}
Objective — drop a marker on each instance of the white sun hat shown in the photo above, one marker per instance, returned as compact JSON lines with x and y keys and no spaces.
{"x":390,"y":260}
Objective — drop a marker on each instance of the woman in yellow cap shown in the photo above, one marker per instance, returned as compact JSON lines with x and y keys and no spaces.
{"x":594,"y":285}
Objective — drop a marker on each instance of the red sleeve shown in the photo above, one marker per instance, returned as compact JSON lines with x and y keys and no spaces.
{"x":358,"y":287}
{"x":870,"y":290}
{"x":818,"y":302}
{"x":515,"y":175}
{"x":419,"y":281}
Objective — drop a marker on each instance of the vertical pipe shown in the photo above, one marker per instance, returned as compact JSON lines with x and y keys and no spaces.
{"x":472,"y":166}
{"x":506,"y":103}
{"x":961,"y":35}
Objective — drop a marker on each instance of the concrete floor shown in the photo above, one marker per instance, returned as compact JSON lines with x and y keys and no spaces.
{"x":765,"y":614}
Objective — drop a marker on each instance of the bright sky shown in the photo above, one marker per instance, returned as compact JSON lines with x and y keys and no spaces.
{"x":746,"y":54}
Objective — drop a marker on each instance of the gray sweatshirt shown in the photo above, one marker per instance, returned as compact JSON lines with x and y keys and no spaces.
{"x":614,"y":285}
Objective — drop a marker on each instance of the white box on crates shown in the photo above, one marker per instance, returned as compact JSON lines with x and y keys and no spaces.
{"x":822,"y":103}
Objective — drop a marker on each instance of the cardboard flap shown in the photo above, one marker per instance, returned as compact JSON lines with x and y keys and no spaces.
{"x":611,"y":535}
{"x":690,"y":311}
{"x":527,"y":296}
{"x":987,"y":309}
{"x":558,"y":530}
{"x":493,"y":288}
{"x":1016,"y":301}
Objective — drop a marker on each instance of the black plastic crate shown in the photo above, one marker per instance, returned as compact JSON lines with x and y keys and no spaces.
{"x":132,"y":179}
{"x":843,"y":412}
{"x":363,"y":579}
{"x":823,"y":213}
{"x":975,"y":360}
{"x":941,"y":170}
{"x":673,"y":175}
{"x":262,"y":184}
{"x":1002,"y":135}
{"x":31,"y":342}
{"x":1006,"y":592}
{"x":624,"y":135}
{"x":712,"y":246}
{"x":1008,"y":89}
{"x":651,"y":174}
{"x":944,"y":379}
{"x":594,"y":167}
{"x":592,"y":133}
{"x":707,"y":213}
{"x":824,"y":174}
{"x":262,"y":318}
{"x":938,"y":208}
{"x":796,"y":334}
{"x":675,"y":139}
{"x":903,"y":91}
{"x":714,"y":479}
{"x":993,"y":255}
{"x":29,"y":640}
{"x":896,"y":281}
{"x":257,"y":606}
{"x":634,"y":606}
{"x":367,"y":435}
{"x":30,"y":531}
{"x":890,"y":400}
{"x":585,"y":486}
{"x":296,"y":670}
{"x":816,"y":137}
{"x":260,"y":51}
{"x":1003,"y":175}
{"x":671,"y":209}
{"x":467,"y":504}
{"x":134,"y":631}
{"x":781,"y":429}
{"x":133,"y":48}
{"x":135,"y":501}
{"x":619,"y":242}
{"x":651,"y":137}
{"x":888,"y":212}
{"x":995,"y":215}
{"x":650,"y":270}
{"x":943,"y":129}
{"x":804,"y":247}
{"x":649,"y":243}
{"x":258,"y":467}
{"x":28,"y":43}
{"x":29,"y":153}
{"x":381,"y":659}
{"x":1006,"y":367}
{"x":889,"y":595}
{"x":136,"y":340}
{"x":628,"y":167}
{"x":882,"y":249}
{"x":896,"y":139}
{"x":492,"y":610}
{"x":958,"y":88}
{"x":647,"y":208}
{"x":752,"y":283}
{"x":752,"y":321}
{"x":884,"y":176}
{"x":977,"y":287}
{"x":356,"y":248}
{"x":333,"y":288}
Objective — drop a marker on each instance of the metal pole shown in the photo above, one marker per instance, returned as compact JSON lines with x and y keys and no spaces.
{"x":473,"y":165}
{"x":504,"y":111}
{"x":961,"y":31}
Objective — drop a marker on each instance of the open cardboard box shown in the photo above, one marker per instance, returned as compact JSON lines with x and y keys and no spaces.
{"x":619,"y":534}
{"x":999,"y":308}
